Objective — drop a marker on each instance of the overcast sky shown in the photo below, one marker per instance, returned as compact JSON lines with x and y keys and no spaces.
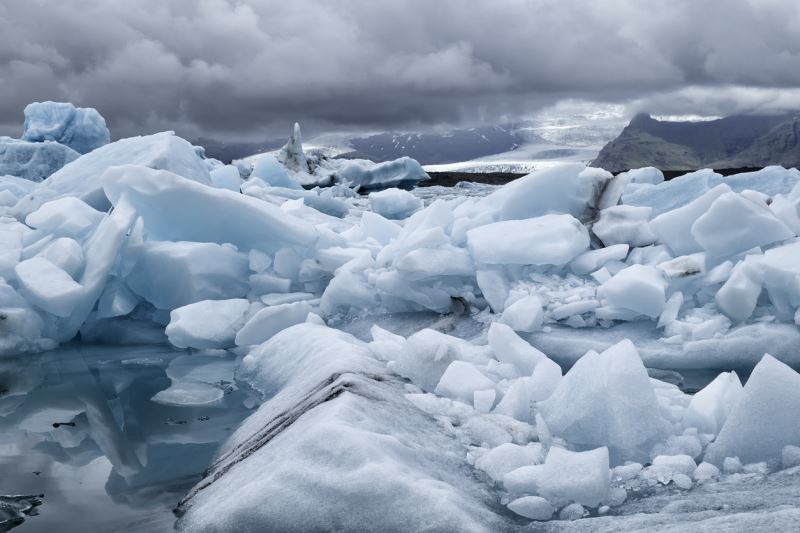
{"x":246,"y":69}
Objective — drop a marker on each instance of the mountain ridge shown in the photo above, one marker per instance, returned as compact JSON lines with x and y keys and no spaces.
{"x":731,"y":142}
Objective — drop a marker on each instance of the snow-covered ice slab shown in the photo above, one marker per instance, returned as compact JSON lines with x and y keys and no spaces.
{"x":176,"y":208}
{"x":336,"y":442}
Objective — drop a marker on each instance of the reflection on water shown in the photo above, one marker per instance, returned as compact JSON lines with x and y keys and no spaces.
{"x":79,"y":425}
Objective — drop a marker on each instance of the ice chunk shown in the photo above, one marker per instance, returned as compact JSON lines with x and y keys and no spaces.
{"x":483,"y":400}
{"x":790,"y":456}
{"x":173,"y":274}
{"x":394,"y":203}
{"x":764,"y":420}
{"x":682,"y":481}
{"x":671,"y":464}
{"x":226,"y":177}
{"x":428,"y":353}
{"x":683,"y":267}
{"x":671,"y":310}
{"x":101,"y":251}
{"x":47,"y":286}
{"x":673,"y":228}
{"x":366,"y":175}
{"x":526,"y":314}
{"x":518,"y":401}
{"x":33,"y":161}
{"x":650,"y":175}
{"x":379,"y":228}
{"x":705,"y":471}
{"x":66,"y":254}
{"x":779,"y":271}
{"x":574,"y":309}
{"x":545,"y":240}
{"x":502,"y":459}
{"x":17,"y":187}
{"x":581,"y":477}
{"x":524,"y":392}
{"x":533,"y":507}
{"x":624,"y":224}
{"x":205,"y":213}
{"x":67,"y":216}
{"x":272,"y":172}
{"x":116,"y":300}
{"x":731,"y":465}
{"x":446,"y":260}
{"x":7,"y":199}
{"x":82,"y":129}
{"x":10,"y":251}
{"x":674,"y":193}
{"x":734,"y":224}
{"x":592,"y":260}
{"x":607,"y":399}
{"x":494,"y":287}
{"x":639,"y":288}
{"x":769,"y":180}
{"x":190,"y":394}
{"x":573,"y":511}
{"x":461,"y":380}
{"x":292,"y":155}
{"x":508,"y":347}
{"x":207,"y":324}
{"x":270,"y":320}
{"x":567,"y":188}
{"x":81,"y":178}
{"x":709,"y":407}
{"x":545,"y":379}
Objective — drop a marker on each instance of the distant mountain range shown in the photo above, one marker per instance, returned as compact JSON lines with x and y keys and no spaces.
{"x":736,"y":141}
{"x":427,"y":148}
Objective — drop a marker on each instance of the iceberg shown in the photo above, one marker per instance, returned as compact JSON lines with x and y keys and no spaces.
{"x":763,"y":420}
{"x":606,"y":399}
{"x":81,"y":129}
{"x":81,"y":177}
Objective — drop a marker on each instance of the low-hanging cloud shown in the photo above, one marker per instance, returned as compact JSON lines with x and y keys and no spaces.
{"x":241,"y":68}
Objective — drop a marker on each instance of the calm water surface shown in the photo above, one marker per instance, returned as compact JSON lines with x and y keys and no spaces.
{"x":79,"y":425}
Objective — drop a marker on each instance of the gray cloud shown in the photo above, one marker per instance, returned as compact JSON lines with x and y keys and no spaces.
{"x":237,"y":69}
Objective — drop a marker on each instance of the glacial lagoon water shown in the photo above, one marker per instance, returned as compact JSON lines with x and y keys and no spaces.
{"x":78,"y":425}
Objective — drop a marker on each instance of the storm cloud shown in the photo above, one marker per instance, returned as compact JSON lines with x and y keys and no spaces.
{"x":227,"y":68}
